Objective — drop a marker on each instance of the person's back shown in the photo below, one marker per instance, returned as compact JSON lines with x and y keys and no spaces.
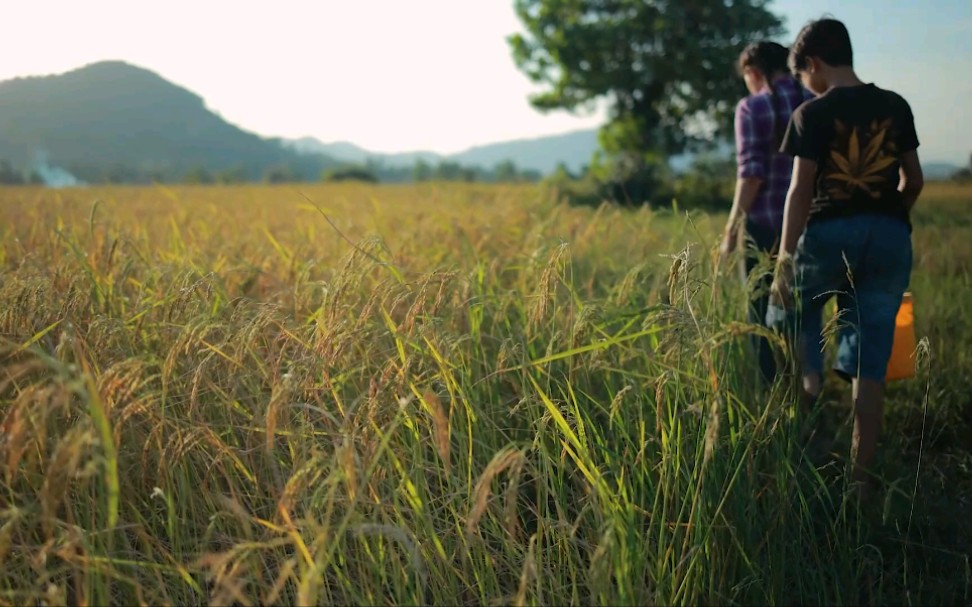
{"x":856,"y":135}
{"x":846,"y":229}
{"x":762,"y":176}
{"x":764,"y":116}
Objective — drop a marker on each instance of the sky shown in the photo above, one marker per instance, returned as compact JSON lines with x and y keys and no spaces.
{"x":437,"y":75}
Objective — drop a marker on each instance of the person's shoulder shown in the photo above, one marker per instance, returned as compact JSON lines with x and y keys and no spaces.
{"x":759,"y":103}
{"x":749,"y":101}
{"x":809,"y":108}
{"x":893,"y":98}
{"x":753,"y":103}
{"x":883,"y":91}
{"x":792,"y":86}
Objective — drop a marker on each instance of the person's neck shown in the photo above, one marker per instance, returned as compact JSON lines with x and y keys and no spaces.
{"x":843,"y":77}
{"x":773,"y":80}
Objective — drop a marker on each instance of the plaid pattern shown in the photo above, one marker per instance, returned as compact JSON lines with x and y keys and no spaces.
{"x":756,"y":155}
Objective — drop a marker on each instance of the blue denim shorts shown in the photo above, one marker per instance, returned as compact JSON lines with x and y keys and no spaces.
{"x":865,"y":262}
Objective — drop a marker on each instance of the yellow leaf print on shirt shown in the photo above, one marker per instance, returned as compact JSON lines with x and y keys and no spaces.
{"x":860,"y":167}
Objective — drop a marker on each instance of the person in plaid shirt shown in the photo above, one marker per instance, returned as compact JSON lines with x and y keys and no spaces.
{"x":763,"y":174}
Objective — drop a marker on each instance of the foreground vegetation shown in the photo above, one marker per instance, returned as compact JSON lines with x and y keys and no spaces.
{"x":442,"y":394}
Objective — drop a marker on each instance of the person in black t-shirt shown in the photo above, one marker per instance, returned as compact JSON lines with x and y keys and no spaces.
{"x":846,"y":227}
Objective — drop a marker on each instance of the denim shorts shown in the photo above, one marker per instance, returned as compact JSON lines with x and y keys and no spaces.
{"x":865,"y":262}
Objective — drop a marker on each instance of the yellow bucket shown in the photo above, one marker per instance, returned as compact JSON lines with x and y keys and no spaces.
{"x":901,"y":365}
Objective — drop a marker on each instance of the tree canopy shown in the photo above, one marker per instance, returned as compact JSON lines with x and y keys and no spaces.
{"x":665,"y":68}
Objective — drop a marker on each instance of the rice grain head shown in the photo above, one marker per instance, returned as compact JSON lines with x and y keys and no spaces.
{"x":440,"y":427}
{"x":503,"y":460}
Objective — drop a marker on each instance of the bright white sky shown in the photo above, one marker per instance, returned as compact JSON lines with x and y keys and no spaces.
{"x":396,"y":75}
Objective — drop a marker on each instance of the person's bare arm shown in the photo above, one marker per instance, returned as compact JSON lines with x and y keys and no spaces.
{"x":798,"y":199}
{"x":912,"y":178}
{"x":742,"y":202}
{"x":795,"y":214}
{"x":751,"y":159}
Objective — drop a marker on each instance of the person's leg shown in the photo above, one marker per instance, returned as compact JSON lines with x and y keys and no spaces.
{"x":866,"y":336}
{"x":764,"y":242}
{"x":812,"y":385}
{"x":818,"y":275}
{"x":824,"y":253}
{"x":810,"y":350}
{"x":868,"y":416}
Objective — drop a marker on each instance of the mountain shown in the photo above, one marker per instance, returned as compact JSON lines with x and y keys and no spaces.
{"x":112,"y":121}
{"x":113,"y":117}
{"x":939,"y":170}
{"x":349,"y":152}
{"x":541,"y":154}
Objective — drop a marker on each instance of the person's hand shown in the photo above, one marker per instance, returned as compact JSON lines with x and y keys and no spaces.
{"x":781,"y":292}
{"x":727,"y":247}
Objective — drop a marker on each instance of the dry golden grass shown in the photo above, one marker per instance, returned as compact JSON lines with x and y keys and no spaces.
{"x":438,"y":393}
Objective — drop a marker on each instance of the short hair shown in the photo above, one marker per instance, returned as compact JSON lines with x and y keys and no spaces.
{"x":826,"y":39}
{"x":768,"y":57}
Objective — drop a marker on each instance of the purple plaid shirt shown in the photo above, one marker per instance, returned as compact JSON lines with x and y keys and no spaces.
{"x":756,"y":154}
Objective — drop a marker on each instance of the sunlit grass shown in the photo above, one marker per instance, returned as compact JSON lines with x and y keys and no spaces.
{"x":440,"y":394}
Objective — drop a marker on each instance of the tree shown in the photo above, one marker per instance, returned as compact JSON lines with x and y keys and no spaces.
{"x":530,"y":175}
{"x":448,"y":171}
{"x":351,"y":173}
{"x":280,"y":174}
{"x":707,"y":185}
{"x":120,"y":173}
{"x":231,"y":176}
{"x":422,"y":171}
{"x":666,"y":69}
{"x":9,"y":175}
{"x":198,"y":175}
{"x":965,"y":173}
{"x":505,"y":172}
{"x":563,"y":172}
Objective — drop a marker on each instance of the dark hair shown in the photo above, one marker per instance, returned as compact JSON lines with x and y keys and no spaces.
{"x":826,"y":39}
{"x":769,"y":58}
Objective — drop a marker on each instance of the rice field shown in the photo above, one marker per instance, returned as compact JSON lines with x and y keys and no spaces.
{"x":444,"y":394}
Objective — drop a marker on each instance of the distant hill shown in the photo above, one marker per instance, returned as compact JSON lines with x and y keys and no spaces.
{"x":541,"y":154}
{"x":939,"y":170}
{"x":112,"y":117}
{"x":112,"y":121}
{"x":349,"y":152}
{"x":342,"y":150}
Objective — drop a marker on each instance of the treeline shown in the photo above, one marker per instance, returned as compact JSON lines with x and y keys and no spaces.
{"x":446,"y":170}
{"x":372,"y":171}
{"x":965,"y":173}
{"x":706,"y":185}
{"x":11,"y":176}
{"x":376,"y":171}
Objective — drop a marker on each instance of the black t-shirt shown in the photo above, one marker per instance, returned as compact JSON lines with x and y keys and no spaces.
{"x":857,"y":136}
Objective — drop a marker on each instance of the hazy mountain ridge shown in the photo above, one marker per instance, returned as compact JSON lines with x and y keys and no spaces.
{"x":543,"y":154}
{"x":113,"y":121}
{"x":115,"y":116}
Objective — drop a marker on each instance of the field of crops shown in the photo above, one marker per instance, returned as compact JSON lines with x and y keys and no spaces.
{"x":444,"y":394}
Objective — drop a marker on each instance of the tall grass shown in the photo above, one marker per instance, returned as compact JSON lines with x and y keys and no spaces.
{"x":439,"y":394}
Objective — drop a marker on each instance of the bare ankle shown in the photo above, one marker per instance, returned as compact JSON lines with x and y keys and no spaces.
{"x":810,"y":392}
